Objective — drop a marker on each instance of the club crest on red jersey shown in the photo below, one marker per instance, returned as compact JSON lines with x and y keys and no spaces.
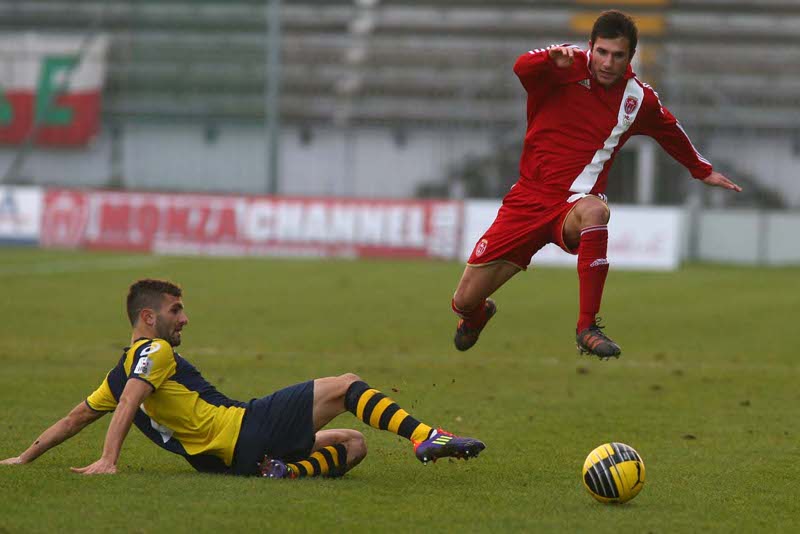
{"x":480,"y":248}
{"x":630,"y":104}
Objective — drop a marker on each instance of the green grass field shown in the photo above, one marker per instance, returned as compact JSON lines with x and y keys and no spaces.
{"x":706,"y":390}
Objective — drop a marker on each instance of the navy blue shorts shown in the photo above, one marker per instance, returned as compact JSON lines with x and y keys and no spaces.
{"x":280,"y":426}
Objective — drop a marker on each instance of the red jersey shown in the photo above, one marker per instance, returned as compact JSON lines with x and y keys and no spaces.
{"x":576,"y":126}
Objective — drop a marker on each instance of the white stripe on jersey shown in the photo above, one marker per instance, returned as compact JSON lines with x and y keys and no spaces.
{"x":538,"y":50}
{"x":699,"y":155}
{"x":587,"y":179}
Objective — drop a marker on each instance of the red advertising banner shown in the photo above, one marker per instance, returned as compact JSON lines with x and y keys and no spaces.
{"x":244,"y":226}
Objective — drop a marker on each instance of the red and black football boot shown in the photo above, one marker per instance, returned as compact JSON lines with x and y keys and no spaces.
{"x":593,"y":341}
{"x":467,"y":336}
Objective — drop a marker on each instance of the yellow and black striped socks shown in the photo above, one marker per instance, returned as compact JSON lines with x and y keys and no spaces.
{"x":379,"y":411}
{"x":329,"y":461}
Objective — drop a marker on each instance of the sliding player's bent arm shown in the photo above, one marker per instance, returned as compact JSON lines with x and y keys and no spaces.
{"x":79,"y":418}
{"x":132,"y":397}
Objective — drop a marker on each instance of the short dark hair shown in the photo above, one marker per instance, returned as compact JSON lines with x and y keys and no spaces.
{"x":612,"y":24}
{"x":148,"y":293}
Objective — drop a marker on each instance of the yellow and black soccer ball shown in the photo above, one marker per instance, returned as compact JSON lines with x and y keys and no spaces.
{"x":613,"y":473}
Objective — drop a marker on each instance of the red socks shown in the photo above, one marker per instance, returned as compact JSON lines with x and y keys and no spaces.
{"x":473,"y":319}
{"x":592,"y":271}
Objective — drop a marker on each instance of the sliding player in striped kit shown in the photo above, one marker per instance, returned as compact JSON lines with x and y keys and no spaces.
{"x":582,"y":107}
{"x":278,"y":436}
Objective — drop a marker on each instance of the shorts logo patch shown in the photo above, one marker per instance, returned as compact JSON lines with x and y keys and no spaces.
{"x":599,"y":262}
{"x":480,"y":248}
{"x":143,"y":367}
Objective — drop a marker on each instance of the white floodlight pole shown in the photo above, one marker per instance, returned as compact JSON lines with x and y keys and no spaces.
{"x":272,"y":98}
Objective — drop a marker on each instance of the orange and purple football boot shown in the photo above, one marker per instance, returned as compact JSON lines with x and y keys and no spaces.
{"x":442,"y":444}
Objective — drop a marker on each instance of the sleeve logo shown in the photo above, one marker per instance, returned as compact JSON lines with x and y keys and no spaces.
{"x":143,"y":366}
{"x":151,"y":349}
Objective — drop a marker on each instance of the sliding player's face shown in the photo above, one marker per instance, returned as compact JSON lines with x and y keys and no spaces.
{"x":610,"y":59}
{"x":171,"y":319}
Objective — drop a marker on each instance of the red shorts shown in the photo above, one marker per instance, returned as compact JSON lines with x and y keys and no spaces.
{"x":523,"y":225}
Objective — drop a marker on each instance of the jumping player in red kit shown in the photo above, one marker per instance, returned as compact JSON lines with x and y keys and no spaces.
{"x":582,"y":107}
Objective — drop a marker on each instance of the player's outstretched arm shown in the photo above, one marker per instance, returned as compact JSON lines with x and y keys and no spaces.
{"x":719,"y":180}
{"x":79,"y":418}
{"x":132,"y":397}
{"x":539,"y":70}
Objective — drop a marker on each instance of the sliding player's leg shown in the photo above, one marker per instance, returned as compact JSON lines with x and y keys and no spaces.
{"x":335,"y":452}
{"x":348,"y":392}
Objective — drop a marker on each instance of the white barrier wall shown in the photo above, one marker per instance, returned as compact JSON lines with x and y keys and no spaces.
{"x":639,"y":237}
{"x":364,"y":163}
{"x":782,"y":239}
{"x":20,"y":215}
{"x":749,"y":237}
{"x":729,"y":236}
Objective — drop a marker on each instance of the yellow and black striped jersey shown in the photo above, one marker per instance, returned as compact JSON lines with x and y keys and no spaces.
{"x":185,"y":414}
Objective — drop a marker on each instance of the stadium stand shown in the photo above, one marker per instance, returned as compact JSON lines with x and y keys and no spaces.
{"x":422,"y":60}
{"x":723,"y":66}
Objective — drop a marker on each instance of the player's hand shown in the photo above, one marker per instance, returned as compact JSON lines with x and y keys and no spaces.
{"x":718,"y":180}
{"x":100,"y":467}
{"x":562,"y":56}
{"x":16,"y":460}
